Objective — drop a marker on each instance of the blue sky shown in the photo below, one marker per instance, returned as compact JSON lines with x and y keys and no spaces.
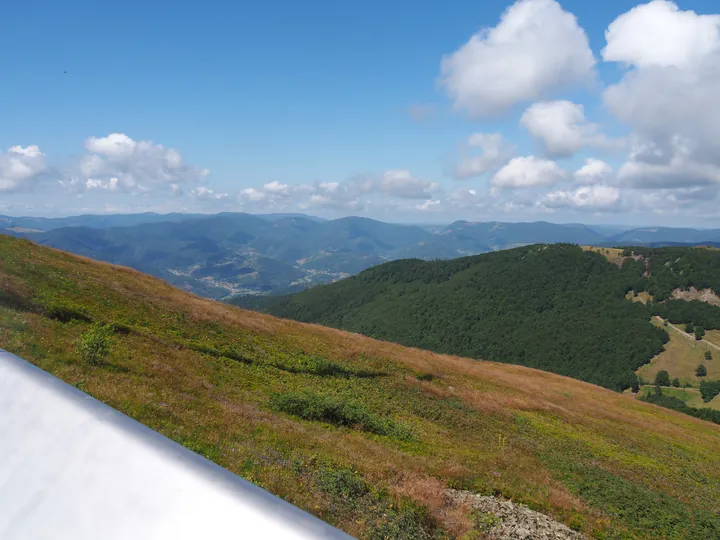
{"x":318,"y":93}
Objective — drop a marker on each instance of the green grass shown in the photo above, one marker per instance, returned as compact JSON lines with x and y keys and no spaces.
{"x":691,"y":396}
{"x":354,"y":430}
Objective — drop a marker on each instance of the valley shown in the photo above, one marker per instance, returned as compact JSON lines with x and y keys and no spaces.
{"x":234,"y":255}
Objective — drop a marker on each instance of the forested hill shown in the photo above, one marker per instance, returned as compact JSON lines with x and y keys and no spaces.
{"x":558,"y":308}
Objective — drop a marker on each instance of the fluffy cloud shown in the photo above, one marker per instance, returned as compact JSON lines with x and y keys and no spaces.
{"x":658,"y":34}
{"x":537,"y":47}
{"x":669,"y":96}
{"x":402,"y":184}
{"x":206,"y":194}
{"x":526,"y":172}
{"x":593,"y":172}
{"x":560,"y":127}
{"x":117,"y":162}
{"x":585,"y":197}
{"x":493,"y":153}
{"x":20,"y":167}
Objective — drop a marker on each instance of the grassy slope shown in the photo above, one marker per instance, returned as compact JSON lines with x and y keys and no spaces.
{"x":680,"y":358}
{"x":608,"y":464}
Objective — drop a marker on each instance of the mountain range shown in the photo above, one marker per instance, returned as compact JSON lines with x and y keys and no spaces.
{"x":229,"y":254}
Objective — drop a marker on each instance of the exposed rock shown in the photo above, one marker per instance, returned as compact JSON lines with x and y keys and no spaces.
{"x":500,"y":519}
{"x":705,"y":295}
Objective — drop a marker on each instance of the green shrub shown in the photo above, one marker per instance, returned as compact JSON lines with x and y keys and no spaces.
{"x":224,"y":352}
{"x":700,"y":371}
{"x":342,"y":483}
{"x":95,"y":343}
{"x":316,"y":365}
{"x":689,"y":328}
{"x":676,"y":382}
{"x":708,"y":355}
{"x":662,"y":378}
{"x":709,"y":389}
{"x":699,"y":332}
{"x":65,"y":312}
{"x":337,"y":411}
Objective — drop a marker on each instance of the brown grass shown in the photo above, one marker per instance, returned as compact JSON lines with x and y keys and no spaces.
{"x":680,"y":358}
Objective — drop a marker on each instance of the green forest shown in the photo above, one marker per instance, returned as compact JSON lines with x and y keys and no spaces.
{"x":553,"y":307}
{"x":556,"y":308}
{"x":679,"y":267}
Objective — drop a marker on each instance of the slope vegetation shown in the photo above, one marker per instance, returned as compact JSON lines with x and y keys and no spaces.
{"x":365,"y":434}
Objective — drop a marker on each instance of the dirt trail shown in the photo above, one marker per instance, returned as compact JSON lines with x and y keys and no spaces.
{"x":689,"y":336}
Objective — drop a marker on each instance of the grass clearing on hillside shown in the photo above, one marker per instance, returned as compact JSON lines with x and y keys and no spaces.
{"x":614,"y":255}
{"x":528,"y":435}
{"x":691,"y":396}
{"x":680,"y":358}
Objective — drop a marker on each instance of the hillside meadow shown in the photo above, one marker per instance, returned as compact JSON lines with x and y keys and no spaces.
{"x":365,"y":434}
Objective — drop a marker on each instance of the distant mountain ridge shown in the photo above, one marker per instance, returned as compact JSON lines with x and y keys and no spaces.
{"x":227,"y":254}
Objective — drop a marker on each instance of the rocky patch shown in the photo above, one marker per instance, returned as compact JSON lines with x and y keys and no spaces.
{"x":505,"y":520}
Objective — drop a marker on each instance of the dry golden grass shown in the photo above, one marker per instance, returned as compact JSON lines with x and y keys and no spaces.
{"x":680,"y":358}
{"x":614,"y":255}
{"x":713,"y":336}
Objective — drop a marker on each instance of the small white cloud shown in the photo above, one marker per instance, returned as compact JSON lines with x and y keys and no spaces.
{"x":203,"y":193}
{"x":20,"y":167}
{"x":428,"y":206}
{"x":594,"y":171}
{"x":526,"y":172}
{"x":585,"y":197}
{"x":252,"y":195}
{"x":110,"y":185}
{"x":560,"y":127}
{"x":659,"y":34}
{"x":494,"y":153}
{"x":537,"y":47}
{"x":401,"y":183}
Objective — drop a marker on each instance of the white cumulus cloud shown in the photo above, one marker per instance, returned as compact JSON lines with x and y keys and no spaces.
{"x":537,"y":47}
{"x":131,"y":165}
{"x":400,"y":183}
{"x":594,"y":171}
{"x":529,"y":171}
{"x":585,"y":197}
{"x":560,"y":127}
{"x":20,"y":166}
{"x":660,"y":34}
{"x":204,"y":193}
{"x":668,"y":97}
{"x":494,"y":152}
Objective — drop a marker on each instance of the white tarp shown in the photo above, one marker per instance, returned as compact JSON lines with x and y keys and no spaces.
{"x":73,"y":468}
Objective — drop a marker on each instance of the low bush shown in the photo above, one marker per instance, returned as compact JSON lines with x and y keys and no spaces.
{"x":65,"y":312}
{"x":337,"y":411}
{"x":316,"y":365}
{"x":224,"y":352}
{"x":709,"y":389}
{"x":95,"y":343}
